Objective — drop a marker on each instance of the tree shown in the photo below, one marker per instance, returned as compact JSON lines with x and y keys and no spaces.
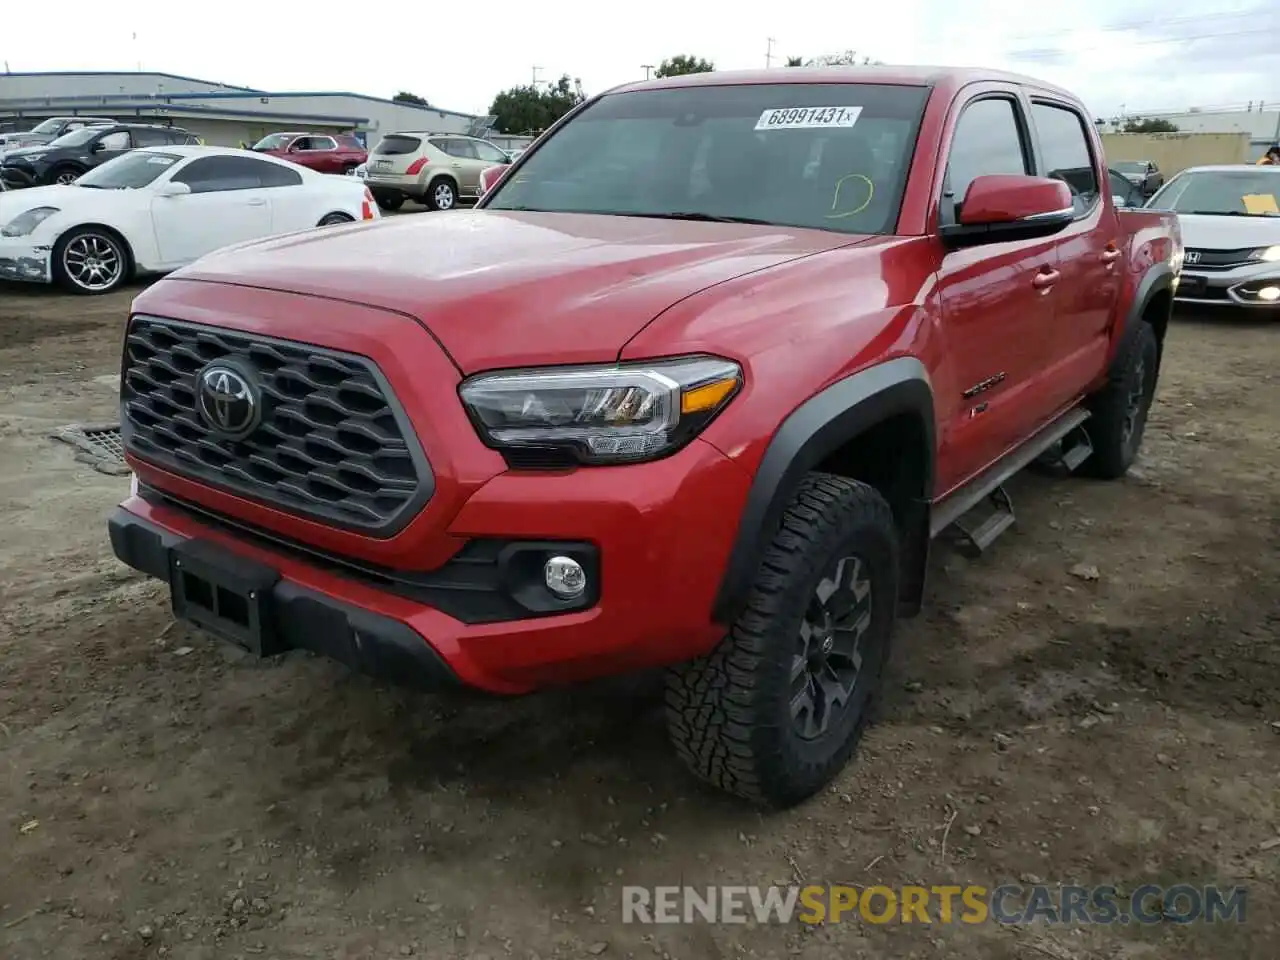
{"x":847,"y":58}
{"x":1153,"y":125}
{"x":682,"y":64}
{"x":527,"y":110}
{"x":404,"y":96}
{"x":795,"y":61}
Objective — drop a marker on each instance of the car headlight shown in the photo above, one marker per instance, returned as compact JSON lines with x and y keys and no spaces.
{"x":1269,"y":254}
{"x":24,"y":223}
{"x":618,"y":413}
{"x":33,"y":157}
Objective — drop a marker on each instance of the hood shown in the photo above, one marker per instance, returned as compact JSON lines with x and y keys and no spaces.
{"x":499,"y":288}
{"x":1204,"y":232}
{"x":14,"y":202}
{"x":24,"y":151}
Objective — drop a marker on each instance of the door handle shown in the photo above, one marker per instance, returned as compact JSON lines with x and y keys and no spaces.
{"x":1045,"y":279}
{"x":257,"y":203}
{"x":1110,"y":256}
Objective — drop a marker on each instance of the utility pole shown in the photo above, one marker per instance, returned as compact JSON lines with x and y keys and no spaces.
{"x":535,"y":77}
{"x":646,"y":67}
{"x":768,"y":53}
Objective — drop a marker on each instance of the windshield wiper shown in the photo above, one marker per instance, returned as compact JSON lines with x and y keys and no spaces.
{"x":1228,"y":213}
{"x":89,"y":186}
{"x":697,"y":215}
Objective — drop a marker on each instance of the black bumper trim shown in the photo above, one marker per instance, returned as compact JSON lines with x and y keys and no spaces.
{"x":303,"y":619}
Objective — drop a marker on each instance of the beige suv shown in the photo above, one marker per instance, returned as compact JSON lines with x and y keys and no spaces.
{"x":435,"y":169}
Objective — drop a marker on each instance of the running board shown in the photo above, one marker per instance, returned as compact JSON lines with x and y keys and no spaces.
{"x":1065,"y":456}
{"x":983,"y":487}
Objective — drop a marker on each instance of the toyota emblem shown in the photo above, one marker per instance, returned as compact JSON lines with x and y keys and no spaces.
{"x":228,"y":401}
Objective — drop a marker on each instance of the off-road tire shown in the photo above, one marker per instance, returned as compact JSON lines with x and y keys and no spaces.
{"x":729,"y":713}
{"x":1132,"y":378}
{"x":389,"y":201}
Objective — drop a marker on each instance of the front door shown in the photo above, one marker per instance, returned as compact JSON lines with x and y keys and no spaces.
{"x":227,"y":204}
{"x":997,"y":303}
{"x":467,"y":165}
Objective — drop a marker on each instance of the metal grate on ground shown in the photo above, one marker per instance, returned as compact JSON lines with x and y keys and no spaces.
{"x":97,"y":444}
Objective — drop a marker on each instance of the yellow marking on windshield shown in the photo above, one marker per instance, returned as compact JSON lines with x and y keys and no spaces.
{"x":835,"y":198}
{"x":1260,"y":204}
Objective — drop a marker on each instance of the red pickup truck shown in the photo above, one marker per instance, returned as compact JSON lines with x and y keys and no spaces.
{"x":322,"y":152}
{"x":696,"y":386}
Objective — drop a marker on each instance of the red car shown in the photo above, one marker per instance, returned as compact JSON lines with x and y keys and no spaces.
{"x":326,"y":153}
{"x":696,"y":386}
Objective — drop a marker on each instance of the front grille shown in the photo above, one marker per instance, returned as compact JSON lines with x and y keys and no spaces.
{"x":1217,"y":259}
{"x":332,"y":443}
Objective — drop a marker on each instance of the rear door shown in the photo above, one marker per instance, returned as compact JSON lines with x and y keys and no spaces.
{"x":318,"y":153}
{"x":1089,"y":250}
{"x":997,"y":299}
{"x":227,"y":204}
{"x":466,"y":164}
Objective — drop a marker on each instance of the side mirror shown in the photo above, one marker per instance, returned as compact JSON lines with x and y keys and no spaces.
{"x":98,"y":147}
{"x":490,"y":176}
{"x":171,"y":188}
{"x":1001,"y":207}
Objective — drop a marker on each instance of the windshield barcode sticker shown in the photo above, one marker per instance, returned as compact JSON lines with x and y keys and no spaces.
{"x":807,"y":118}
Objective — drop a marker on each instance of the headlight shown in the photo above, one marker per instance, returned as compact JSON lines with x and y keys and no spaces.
{"x":601,"y":414}
{"x":33,"y":157}
{"x":24,"y":223}
{"x":1269,"y":254}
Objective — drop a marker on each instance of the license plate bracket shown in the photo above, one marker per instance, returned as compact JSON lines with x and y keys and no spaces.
{"x":224,"y":593}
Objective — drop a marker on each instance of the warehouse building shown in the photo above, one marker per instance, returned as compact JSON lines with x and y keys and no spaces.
{"x":218,"y":113}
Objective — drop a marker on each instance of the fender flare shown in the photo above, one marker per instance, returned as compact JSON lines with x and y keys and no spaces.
{"x":1158,"y":278}
{"x":813,"y":431}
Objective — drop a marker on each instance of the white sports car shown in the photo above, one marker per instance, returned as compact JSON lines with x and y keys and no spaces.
{"x":154,"y":210}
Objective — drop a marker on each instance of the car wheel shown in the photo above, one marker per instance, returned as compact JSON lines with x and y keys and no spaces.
{"x":389,"y":201}
{"x":1120,"y":408}
{"x":90,"y":260}
{"x":330,"y":219}
{"x":778,"y":707}
{"x":65,"y":175}
{"x":442,"y":195}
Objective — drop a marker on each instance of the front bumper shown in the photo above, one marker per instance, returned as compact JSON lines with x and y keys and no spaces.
{"x":1237,"y":287}
{"x":661,"y":533}
{"x":22,"y":258}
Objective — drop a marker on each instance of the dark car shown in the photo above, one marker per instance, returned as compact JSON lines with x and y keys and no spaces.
{"x":1143,"y":174}
{"x":49,"y":130}
{"x":1124,"y":192}
{"x":322,"y":152}
{"x":75,"y":153}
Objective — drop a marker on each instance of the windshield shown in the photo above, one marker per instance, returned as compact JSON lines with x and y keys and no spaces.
{"x":49,"y":126}
{"x":77,"y":138}
{"x":1247,"y":192}
{"x":276,"y":141}
{"x":129,"y":171}
{"x":1131,"y":166}
{"x":827,"y":156}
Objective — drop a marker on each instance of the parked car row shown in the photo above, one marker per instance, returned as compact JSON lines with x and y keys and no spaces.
{"x":157,"y":208}
{"x":67,"y":158}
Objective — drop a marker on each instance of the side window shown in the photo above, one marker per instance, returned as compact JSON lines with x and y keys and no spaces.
{"x":322,"y":143}
{"x":116,"y":141}
{"x":215,"y":174}
{"x":443,"y":144}
{"x":1066,"y":153}
{"x":276,"y":174}
{"x":987,"y":141}
{"x":489,"y":153}
{"x":151,"y":138}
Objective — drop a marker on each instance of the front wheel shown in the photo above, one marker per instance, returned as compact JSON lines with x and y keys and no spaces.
{"x":65,"y":176}
{"x":442,"y":195}
{"x":774,"y":712}
{"x":90,"y":260}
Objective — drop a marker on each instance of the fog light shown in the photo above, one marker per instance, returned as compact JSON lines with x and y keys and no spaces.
{"x":564,"y":577}
{"x":1270,"y":294}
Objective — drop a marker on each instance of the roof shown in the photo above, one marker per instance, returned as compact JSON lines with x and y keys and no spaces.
{"x":226,"y":91}
{"x":1272,"y":169}
{"x":912,"y":76}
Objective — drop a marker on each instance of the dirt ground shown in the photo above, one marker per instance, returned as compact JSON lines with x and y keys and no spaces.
{"x":162,"y":796}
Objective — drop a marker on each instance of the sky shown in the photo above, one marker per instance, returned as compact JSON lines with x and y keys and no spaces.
{"x":1115,"y":54}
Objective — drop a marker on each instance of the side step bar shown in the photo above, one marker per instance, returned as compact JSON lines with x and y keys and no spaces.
{"x":989,"y":486}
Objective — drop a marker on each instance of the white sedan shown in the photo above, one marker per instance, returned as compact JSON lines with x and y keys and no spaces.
{"x":154,"y":210}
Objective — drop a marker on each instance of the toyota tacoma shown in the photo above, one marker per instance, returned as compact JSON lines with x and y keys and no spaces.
{"x":694,"y":387}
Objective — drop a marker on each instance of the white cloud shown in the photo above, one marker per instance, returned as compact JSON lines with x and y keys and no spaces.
{"x":459,"y":57}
